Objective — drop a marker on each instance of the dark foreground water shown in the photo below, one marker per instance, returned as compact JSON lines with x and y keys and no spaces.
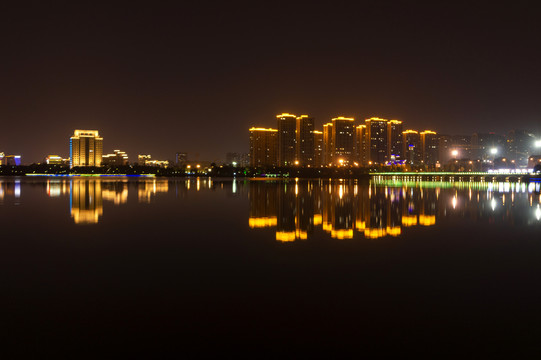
{"x":269,"y":268}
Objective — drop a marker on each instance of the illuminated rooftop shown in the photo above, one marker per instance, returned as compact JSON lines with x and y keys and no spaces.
{"x":285,"y":115}
{"x":343,"y":118}
{"x":428,"y":132}
{"x":376,"y":119}
{"x":93,"y":133}
{"x":395,"y":121}
{"x":410,"y":132}
{"x":262,"y":129}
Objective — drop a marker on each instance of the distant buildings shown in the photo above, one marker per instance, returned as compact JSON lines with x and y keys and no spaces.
{"x":146,"y":160}
{"x":181,"y":158}
{"x":86,"y":148}
{"x":118,"y":158}
{"x":56,"y":160}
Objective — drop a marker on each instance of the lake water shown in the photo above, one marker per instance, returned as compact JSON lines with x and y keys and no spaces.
{"x":270,"y":266}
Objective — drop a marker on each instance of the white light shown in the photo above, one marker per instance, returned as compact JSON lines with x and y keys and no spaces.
{"x":494,"y":151}
{"x":538,"y":213}
{"x":493,"y":204}
{"x":537,"y":143}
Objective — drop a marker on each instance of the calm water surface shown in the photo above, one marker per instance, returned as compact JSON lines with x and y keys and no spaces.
{"x":270,"y":266}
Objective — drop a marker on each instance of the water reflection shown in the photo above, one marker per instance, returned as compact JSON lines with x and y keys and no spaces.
{"x":298,"y":209}
{"x":385,"y":208}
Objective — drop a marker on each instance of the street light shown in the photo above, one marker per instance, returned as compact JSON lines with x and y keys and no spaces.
{"x":454,"y":153}
{"x":537,"y":143}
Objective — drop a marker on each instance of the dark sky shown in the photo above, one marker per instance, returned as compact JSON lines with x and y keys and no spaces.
{"x":165,"y":77}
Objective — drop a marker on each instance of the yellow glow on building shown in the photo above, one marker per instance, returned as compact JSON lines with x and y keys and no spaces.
{"x":427,"y":220}
{"x":318,"y":219}
{"x":343,"y":118}
{"x":395,"y":121}
{"x":361,"y":126}
{"x":285,"y":236}
{"x":318,"y":132}
{"x":86,"y":148}
{"x":409,"y":220}
{"x":360,"y":225}
{"x":428,"y":132}
{"x":342,"y":234}
{"x":262,"y":222}
{"x":285,"y":115}
{"x":410,"y":132}
{"x":376,"y":119}
{"x":299,"y":234}
{"x":263,"y":129}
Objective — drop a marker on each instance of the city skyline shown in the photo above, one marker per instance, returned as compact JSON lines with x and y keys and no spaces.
{"x":169,"y":73}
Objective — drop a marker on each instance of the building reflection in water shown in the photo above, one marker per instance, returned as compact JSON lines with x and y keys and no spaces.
{"x":343,"y":208}
{"x":148,"y":188}
{"x":86,"y":200}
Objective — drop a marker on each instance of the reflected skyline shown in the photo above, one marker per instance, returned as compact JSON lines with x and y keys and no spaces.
{"x":385,"y":208}
{"x":296,"y":209}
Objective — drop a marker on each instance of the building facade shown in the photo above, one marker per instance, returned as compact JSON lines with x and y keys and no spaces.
{"x":86,"y":148}
{"x":305,"y":141}
{"x":377,"y":140}
{"x":263,"y":147}
{"x":343,"y":140}
{"x":360,"y":145}
{"x":394,"y":142}
{"x":429,"y":147}
{"x":411,"y":147}
{"x":319,"y":151}
{"x":287,"y":139}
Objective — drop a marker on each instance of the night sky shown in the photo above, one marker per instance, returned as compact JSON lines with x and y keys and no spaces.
{"x":160,"y":78}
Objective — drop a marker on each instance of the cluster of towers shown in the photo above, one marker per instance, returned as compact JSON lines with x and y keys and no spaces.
{"x":295,"y":142}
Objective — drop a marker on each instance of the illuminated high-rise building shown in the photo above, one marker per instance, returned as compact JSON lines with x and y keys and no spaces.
{"x":305,"y":140}
{"x":287,"y":139}
{"x":360,"y":144}
{"x":86,"y":148}
{"x":394,"y":144}
{"x":429,"y":147}
{"x":343,"y":139}
{"x":327,"y":143}
{"x":263,"y":147}
{"x":319,"y":151}
{"x":411,"y":147}
{"x":377,"y":139}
